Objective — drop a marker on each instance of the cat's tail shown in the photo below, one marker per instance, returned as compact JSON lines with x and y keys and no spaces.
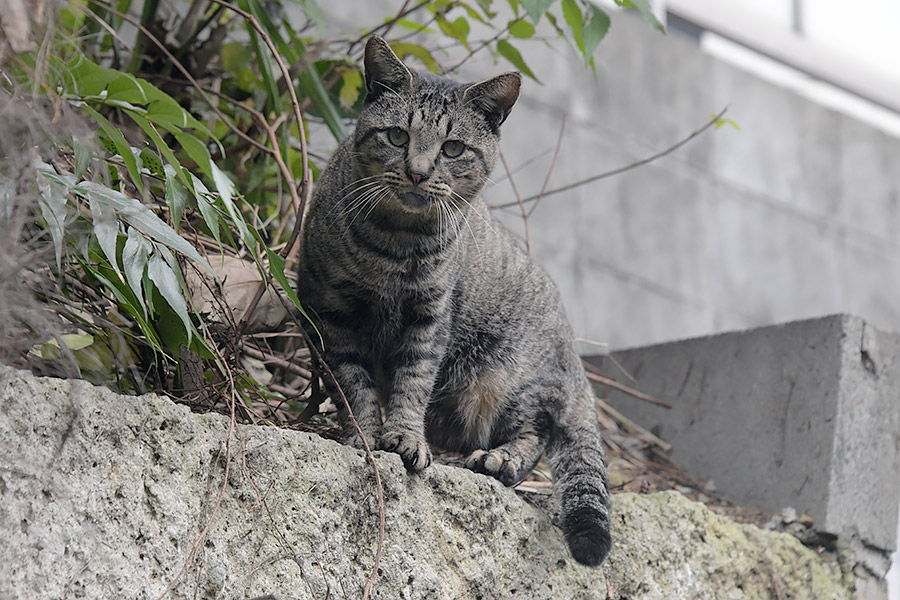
{"x":578,"y":462}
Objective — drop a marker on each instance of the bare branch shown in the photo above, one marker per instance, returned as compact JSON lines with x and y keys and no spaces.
{"x":370,"y":583}
{"x":625,"y":168}
{"x":515,"y":188}
{"x":562,"y":130}
{"x":306,"y":181}
{"x":597,"y":378}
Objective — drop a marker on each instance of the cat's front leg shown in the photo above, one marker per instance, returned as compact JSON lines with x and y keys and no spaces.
{"x":414,"y":366}
{"x":354,"y":375}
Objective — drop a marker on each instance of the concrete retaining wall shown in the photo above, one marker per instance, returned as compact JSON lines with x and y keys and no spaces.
{"x":805,"y":415}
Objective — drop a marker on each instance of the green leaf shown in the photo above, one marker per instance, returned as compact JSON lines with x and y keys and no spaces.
{"x":106,"y":229}
{"x":594,"y":32}
{"x":486,"y":7}
{"x":171,"y":329}
{"x":176,"y":196}
{"x":462,"y":25}
{"x":166,"y":282}
{"x":161,"y":145}
{"x":575,"y":19}
{"x":351,"y":86}
{"x":194,"y":148}
{"x":83,"y":156}
{"x":125,"y":302}
{"x":225,"y":187}
{"x":134,"y":261}
{"x":451,"y":30}
{"x":474,"y":14}
{"x":140,"y":217}
{"x":276,"y":268}
{"x":510,"y":53}
{"x":310,"y":83}
{"x":122,"y":147}
{"x":404,"y":49}
{"x":73,"y":341}
{"x":412,"y":26}
{"x":174,"y":113}
{"x":521,"y":29}
{"x":720,"y":122}
{"x":152,"y":163}
{"x":54,"y":188}
{"x":205,"y":202}
{"x":536,"y":8}
{"x":266,"y":70}
{"x":126,"y":88}
{"x":644,"y":7}
{"x":235,"y":56}
{"x":89,"y":79}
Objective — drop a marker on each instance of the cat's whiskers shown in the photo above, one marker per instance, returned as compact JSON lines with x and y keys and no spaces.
{"x":472,"y":209}
{"x":373,"y":196}
{"x":348,"y":200}
{"x":357,"y":181}
{"x":453,"y":216}
{"x":360,"y":200}
{"x":384,"y":193}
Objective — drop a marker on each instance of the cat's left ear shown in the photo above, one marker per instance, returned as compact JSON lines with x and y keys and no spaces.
{"x":495,"y":96}
{"x":384,"y":71}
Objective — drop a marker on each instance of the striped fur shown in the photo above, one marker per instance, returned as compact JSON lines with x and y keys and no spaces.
{"x":428,"y":307}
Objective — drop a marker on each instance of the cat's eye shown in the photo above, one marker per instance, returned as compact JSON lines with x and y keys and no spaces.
{"x":398,"y":137}
{"x":453,"y":148}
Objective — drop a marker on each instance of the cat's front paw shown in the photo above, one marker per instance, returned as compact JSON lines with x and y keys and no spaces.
{"x":498,"y":464}
{"x":411,"y":447}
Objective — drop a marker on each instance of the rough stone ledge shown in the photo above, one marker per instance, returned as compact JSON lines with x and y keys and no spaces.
{"x":104,"y":496}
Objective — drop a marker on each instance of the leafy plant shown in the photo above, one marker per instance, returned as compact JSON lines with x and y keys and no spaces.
{"x":200,"y":157}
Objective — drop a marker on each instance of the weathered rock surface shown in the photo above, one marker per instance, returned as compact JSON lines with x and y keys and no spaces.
{"x":104,"y":496}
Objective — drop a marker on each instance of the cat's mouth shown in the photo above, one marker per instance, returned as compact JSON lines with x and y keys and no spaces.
{"x":413,"y":200}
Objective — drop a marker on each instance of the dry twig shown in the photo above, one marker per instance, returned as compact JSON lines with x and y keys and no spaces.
{"x":370,"y":582}
{"x":596,"y":377}
{"x":515,"y":188}
{"x":622,"y":169}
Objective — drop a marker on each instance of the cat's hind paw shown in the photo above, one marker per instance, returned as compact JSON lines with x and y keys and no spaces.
{"x":411,"y":447}
{"x":498,"y":464}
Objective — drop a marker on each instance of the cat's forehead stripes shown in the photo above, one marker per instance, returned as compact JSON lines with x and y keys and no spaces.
{"x":426,"y":120}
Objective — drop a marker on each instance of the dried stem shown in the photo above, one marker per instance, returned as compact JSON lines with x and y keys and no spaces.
{"x":597,"y":378}
{"x":285,"y":73}
{"x":232,"y":423}
{"x":279,"y":362}
{"x":385,"y":28}
{"x":562,"y":130}
{"x":370,"y":582}
{"x":515,"y":188}
{"x":623,"y":169}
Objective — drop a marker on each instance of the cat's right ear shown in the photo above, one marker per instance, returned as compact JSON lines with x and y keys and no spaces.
{"x":384,"y":71}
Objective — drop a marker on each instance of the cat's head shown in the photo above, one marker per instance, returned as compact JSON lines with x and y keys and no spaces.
{"x":427,"y":139}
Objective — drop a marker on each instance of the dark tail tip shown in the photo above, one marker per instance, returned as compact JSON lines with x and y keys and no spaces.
{"x":587,"y":533}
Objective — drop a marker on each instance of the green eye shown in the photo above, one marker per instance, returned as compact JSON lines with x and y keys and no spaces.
{"x":453,"y":148}
{"x":398,"y":137}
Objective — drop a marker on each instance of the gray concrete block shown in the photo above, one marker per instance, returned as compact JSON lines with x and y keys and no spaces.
{"x":805,"y":415}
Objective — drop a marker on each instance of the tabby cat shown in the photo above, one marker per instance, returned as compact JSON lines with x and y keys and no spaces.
{"x":428,"y":306}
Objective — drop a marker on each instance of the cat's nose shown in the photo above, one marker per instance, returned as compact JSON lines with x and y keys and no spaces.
{"x":418,"y":171}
